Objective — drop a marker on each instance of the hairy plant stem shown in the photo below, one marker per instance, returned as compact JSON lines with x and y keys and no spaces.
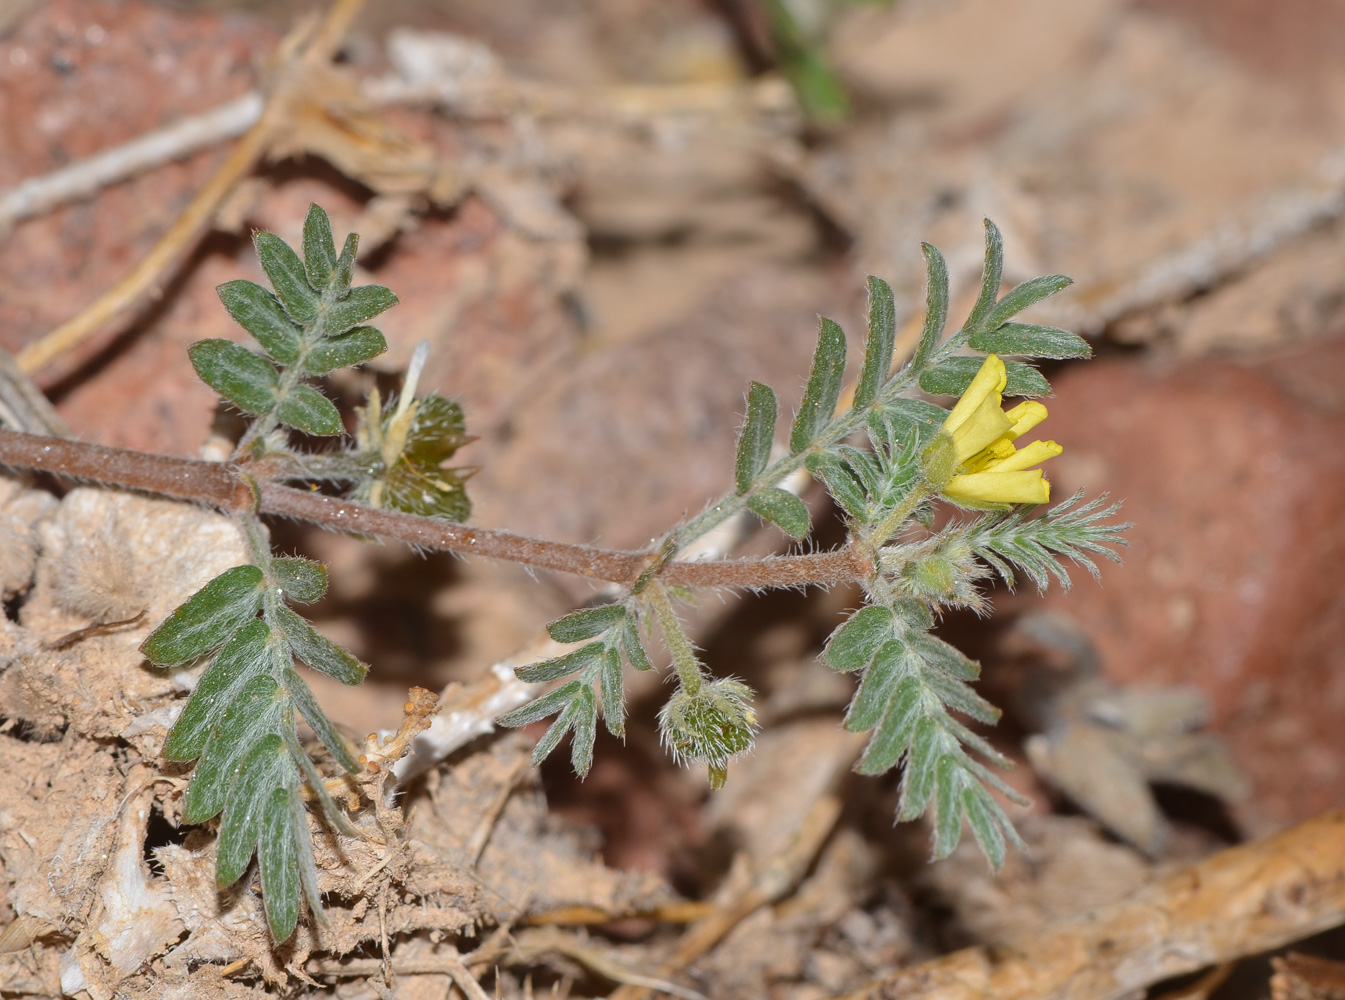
{"x":234,"y":490}
{"x":679,"y":645}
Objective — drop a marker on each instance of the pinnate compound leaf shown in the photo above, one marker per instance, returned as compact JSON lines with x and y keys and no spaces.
{"x":303,"y":580}
{"x":244,"y":806}
{"x":991,"y":278}
{"x":319,"y":247}
{"x":359,"y":305}
{"x":288,"y":277}
{"x":882,"y":339}
{"x":561,"y":666}
{"x":586,"y":623}
{"x":278,"y":852}
{"x":548,"y":704}
{"x":754,"y":443}
{"x":319,"y":652}
{"x":876,"y":689}
{"x":317,"y":720}
{"x":783,"y":509}
{"x":1031,"y":341}
{"x":260,"y":313}
{"x":233,"y":665}
{"x":257,"y":710}
{"x":345,"y":349}
{"x":243,"y":378}
{"x":853,"y":645}
{"x":207,"y":619}
{"x":823,"y":389}
{"x":951,"y":378}
{"x":936,"y":305}
{"x":306,"y":409}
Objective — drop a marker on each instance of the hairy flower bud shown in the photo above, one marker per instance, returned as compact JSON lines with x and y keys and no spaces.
{"x":713,"y":725}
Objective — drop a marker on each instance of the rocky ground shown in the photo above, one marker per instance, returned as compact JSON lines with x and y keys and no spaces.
{"x":616,"y":222}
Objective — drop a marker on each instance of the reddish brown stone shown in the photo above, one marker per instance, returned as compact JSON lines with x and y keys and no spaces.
{"x":1235,"y":578}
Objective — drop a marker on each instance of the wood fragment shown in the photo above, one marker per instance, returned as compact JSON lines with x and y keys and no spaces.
{"x":1241,"y":901}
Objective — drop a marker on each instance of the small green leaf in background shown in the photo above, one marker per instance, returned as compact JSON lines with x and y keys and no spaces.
{"x":243,"y":378}
{"x":303,"y":580}
{"x":586,"y":623}
{"x":783,"y":509}
{"x":823,"y":389}
{"x":288,"y":277}
{"x":344,"y":350}
{"x":207,"y":619}
{"x":306,"y":409}
{"x":853,"y":645}
{"x":754,"y":443}
{"x":951,"y":378}
{"x":319,"y":247}
{"x":882,"y":339}
{"x":1030,"y":341}
{"x":260,"y":313}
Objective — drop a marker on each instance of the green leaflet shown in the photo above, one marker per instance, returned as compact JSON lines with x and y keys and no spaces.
{"x":287,"y":276}
{"x":343,"y":350}
{"x":561,"y":666}
{"x":853,"y":645}
{"x":260,"y":708}
{"x":319,"y":652}
{"x":951,"y":378}
{"x":278,"y":852}
{"x":319,"y":248}
{"x":823,"y":389}
{"x":359,"y":305}
{"x":783,"y":509}
{"x":307,"y":410}
{"x":754,"y":443}
{"x":877,"y":688}
{"x":936,"y":306}
{"x":882,"y":339}
{"x":258,"y":774}
{"x":991,"y":278}
{"x":1030,"y":341}
{"x":1021,"y":296}
{"x":207,"y":619}
{"x":260,"y":313}
{"x":217,"y":688}
{"x":303,"y":580}
{"x":241,"y":377}
{"x":586,"y":623}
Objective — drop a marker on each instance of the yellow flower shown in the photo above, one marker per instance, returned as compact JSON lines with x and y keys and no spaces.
{"x":986,"y":466}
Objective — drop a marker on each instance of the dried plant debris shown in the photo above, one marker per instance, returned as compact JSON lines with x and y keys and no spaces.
{"x":1103,"y":745}
{"x":22,"y":511}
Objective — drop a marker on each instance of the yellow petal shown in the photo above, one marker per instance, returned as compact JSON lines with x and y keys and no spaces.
{"x":1000,"y":487}
{"x":989,"y":381}
{"x":1025,"y":416}
{"x":981,"y":428}
{"x":1026,"y":457}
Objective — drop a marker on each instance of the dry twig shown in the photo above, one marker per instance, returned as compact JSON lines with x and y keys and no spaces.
{"x":1241,"y":901}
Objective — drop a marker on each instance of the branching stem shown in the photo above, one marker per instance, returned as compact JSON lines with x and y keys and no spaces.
{"x":221,"y":486}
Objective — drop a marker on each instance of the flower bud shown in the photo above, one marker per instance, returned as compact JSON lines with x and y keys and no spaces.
{"x":939,"y":460}
{"x":712,"y":725}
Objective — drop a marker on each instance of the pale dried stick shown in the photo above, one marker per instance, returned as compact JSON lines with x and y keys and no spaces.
{"x":1241,"y":901}
{"x":321,"y":46}
{"x":173,"y":142}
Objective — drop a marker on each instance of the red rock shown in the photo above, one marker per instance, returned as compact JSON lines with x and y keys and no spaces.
{"x":1235,"y":578}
